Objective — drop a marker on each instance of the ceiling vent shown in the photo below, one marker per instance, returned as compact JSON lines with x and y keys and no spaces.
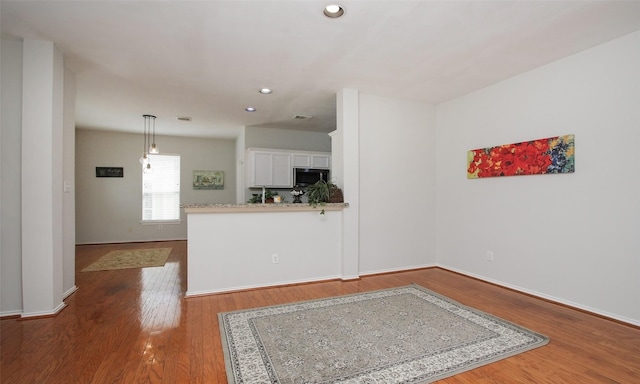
{"x":184,"y":118}
{"x":301,"y":117}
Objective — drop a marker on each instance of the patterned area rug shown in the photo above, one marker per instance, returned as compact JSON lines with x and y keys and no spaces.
{"x":134,"y":258}
{"x":401,"y":335}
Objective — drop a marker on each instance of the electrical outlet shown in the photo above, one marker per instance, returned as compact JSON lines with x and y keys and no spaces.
{"x":275,"y":259}
{"x":489,"y":256}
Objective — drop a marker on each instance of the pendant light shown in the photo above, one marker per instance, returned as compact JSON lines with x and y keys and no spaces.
{"x":149,"y":145}
{"x":153,"y":148}
{"x":150,"y":131}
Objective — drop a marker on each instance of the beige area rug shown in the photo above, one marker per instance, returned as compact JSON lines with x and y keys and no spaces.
{"x":400,"y":335}
{"x":134,"y":258}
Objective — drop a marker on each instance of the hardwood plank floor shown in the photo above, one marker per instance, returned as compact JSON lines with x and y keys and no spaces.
{"x":135,"y":326}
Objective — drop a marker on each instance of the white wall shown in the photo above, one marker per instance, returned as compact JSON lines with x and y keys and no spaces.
{"x":42,"y":168}
{"x":347,"y":165}
{"x":287,"y":139}
{"x":10,"y":195}
{"x":68,"y":179}
{"x":110,"y":209}
{"x":574,"y":238}
{"x":234,"y":251}
{"x":240,"y":147}
{"x":38,"y":107}
{"x":396,"y":184}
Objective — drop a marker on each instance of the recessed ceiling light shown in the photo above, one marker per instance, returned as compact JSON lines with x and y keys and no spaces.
{"x":265,"y":91}
{"x":333,"y":11}
{"x":250,"y":109}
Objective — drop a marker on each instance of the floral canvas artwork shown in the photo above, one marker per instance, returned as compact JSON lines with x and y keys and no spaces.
{"x":536,"y":157}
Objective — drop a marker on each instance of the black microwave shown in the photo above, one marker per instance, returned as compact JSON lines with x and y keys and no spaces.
{"x":303,"y":177}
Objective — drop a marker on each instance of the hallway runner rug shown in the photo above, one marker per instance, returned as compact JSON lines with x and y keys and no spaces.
{"x":400,"y":335}
{"x":133,"y":258}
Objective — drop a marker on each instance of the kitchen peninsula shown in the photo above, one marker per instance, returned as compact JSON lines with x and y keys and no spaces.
{"x":234,"y":247}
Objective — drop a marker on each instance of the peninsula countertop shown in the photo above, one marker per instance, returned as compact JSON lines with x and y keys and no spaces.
{"x":267,"y":207}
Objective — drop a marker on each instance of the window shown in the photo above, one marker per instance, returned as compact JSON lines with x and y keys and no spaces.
{"x":161,"y":189}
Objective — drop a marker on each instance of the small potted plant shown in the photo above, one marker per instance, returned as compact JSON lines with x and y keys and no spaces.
{"x":269,"y":196}
{"x":256,"y":198}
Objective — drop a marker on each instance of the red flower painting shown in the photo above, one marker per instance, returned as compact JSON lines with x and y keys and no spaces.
{"x":537,"y":157}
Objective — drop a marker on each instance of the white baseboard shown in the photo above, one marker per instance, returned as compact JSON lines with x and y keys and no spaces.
{"x":69,"y":292}
{"x":545,"y":296}
{"x":128,"y":241}
{"x":11,"y":313}
{"x":37,"y":314}
{"x":54,"y":312}
{"x":255,"y":286}
{"x":397,"y":269}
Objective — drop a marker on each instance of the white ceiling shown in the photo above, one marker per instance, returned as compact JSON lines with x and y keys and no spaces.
{"x":207,"y":59}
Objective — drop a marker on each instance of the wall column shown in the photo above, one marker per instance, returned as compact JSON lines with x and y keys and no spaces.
{"x":42,"y":136}
{"x":348,"y":136}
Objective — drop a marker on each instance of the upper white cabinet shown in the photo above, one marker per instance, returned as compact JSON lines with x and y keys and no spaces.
{"x":282,"y":174}
{"x":301,"y":160}
{"x":320,"y":161}
{"x":274,"y":168}
{"x":311,"y":160}
{"x":269,"y":169}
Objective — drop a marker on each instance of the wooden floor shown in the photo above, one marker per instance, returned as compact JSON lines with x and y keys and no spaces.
{"x":135,"y":326}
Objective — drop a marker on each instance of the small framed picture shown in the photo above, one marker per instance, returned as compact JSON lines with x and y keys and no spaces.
{"x":208,"y":180}
{"x":109,"y":172}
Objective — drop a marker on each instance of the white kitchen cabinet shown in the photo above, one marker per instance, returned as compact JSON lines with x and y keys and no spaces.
{"x":320,"y":161}
{"x":301,"y":160}
{"x":269,"y":169}
{"x":273,"y":168}
{"x":311,"y":160}
{"x":282,"y":172}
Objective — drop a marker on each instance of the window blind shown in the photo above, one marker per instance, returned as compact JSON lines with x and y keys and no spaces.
{"x":161,"y":189}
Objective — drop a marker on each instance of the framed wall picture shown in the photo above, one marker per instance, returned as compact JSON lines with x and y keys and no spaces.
{"x":208,"y":180}
{"x":109,"y":172}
